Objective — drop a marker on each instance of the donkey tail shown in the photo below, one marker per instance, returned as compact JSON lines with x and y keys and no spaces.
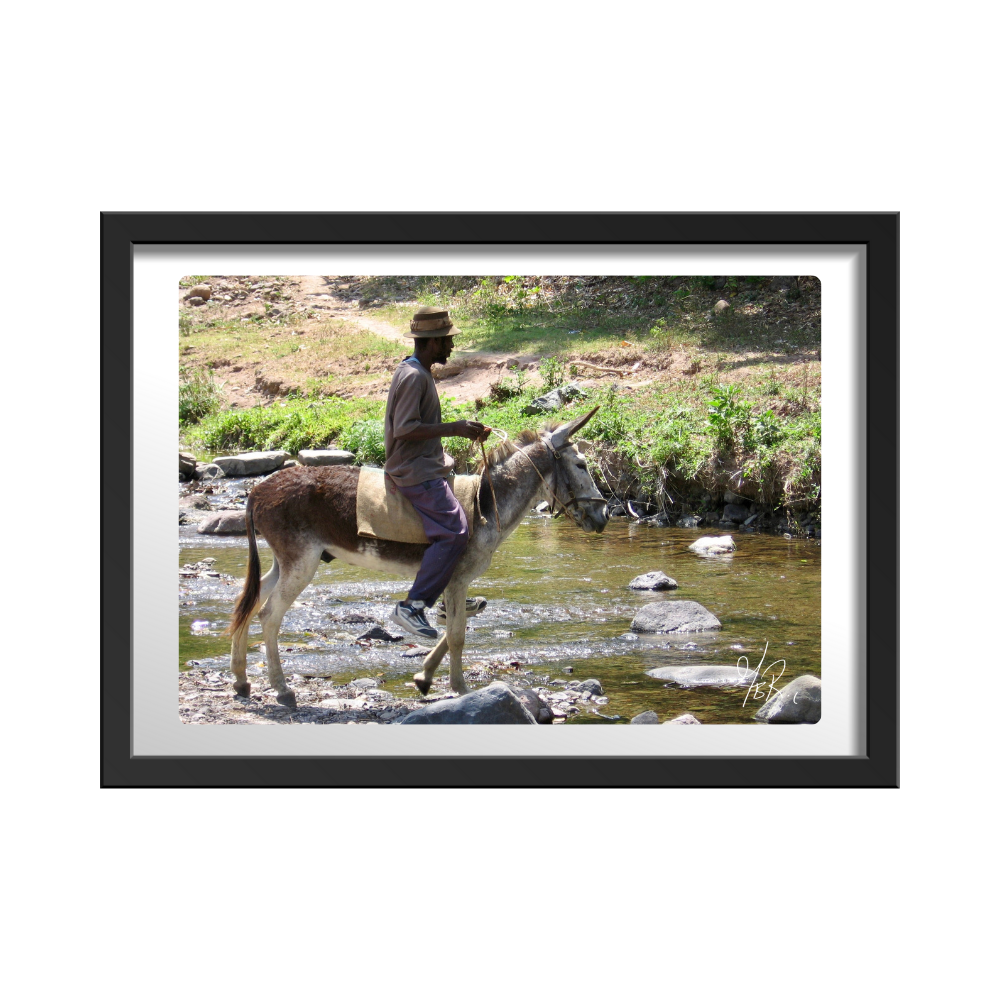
{"x":249,"y":598}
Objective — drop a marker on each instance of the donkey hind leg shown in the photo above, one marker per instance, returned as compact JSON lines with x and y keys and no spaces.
{"x":455,"y":597}
{"x":295,"y":577}
{"x":431,"y":660}
{"x":238,"y":654}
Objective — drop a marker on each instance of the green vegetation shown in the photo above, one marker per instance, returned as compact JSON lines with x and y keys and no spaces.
{"x":199,"y":396}
{"x":290,"y":425}
{"x":727,"y":400}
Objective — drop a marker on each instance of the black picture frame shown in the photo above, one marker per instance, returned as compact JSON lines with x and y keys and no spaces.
{"x":877,"y":232}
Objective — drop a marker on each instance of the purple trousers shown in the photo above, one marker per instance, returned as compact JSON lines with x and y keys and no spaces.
{"x":448,"y":532}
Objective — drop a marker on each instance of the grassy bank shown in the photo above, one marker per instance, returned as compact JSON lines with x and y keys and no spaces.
{"x":702,"y":398}
{"x":678,"y":450}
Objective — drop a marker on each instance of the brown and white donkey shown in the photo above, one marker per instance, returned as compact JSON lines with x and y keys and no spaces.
{"x":308,"y":514}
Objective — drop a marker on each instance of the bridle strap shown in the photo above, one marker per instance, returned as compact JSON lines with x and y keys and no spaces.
{"x":555,"y":473}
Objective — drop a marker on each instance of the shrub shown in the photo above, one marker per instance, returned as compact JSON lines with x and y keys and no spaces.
{"x":199,"y":396}
{"x":366,"y":439}
{"x":553,"y":372}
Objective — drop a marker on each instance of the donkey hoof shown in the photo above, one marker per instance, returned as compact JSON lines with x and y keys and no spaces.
{"x":242,"y":689}
{"x":287,"y":699}
{"x":423,"y":686}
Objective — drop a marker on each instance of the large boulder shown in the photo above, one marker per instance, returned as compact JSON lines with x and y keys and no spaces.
{"x":253,"y":463}
{"x":326,"y":456}
{"x":713,"y":545}
{"x":709,"y":676}
{"x":225,"y":522}
{"x":796,"y":702}
{"x":188,"y":464}
{"x":496,"y":705}
{"x":656,"y":580}
{"x":555,"y":399}
{"x":674,"y":616}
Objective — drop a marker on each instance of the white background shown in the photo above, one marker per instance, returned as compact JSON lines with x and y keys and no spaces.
{"x":526,"y":106}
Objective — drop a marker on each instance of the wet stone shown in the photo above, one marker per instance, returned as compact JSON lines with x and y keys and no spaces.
{"x":656,"y":580}
{"x":708,"y":676}
{"x":713,"y":545}
{"x":683,"y":720}
{"x":674,"y":616}
{"x":646,"y":719}
{"x":798,"y":702}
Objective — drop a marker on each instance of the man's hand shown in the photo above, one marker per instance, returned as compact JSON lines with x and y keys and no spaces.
{"x":471,"y":429}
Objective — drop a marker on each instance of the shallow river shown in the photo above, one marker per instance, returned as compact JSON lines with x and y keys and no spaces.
{"x":559,"y":605}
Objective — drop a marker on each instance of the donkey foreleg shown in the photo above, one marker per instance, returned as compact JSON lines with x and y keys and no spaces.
{"x":431,"y":660}
{"x":455,"y":599}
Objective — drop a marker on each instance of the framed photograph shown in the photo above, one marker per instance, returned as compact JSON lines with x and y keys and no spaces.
{"x":666,"y":433}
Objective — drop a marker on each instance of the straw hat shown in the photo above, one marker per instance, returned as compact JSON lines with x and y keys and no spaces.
{"x":432,"y":321}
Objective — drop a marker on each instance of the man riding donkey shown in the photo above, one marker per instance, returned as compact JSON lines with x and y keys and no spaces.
{"x":418,"y":466}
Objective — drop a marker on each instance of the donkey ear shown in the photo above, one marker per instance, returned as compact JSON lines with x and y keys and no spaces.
{"x":562,"y":434}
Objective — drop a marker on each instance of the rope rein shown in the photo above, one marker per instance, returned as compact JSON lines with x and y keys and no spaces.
{"x":556,"y":503}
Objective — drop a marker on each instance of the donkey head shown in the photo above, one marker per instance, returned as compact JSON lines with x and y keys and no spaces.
{"x":574,"y":486}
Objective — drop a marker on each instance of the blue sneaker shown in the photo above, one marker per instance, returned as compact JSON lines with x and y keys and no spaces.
{"x":411,"y":618}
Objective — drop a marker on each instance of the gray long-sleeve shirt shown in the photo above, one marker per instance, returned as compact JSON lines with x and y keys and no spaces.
{"x":413,"y":400}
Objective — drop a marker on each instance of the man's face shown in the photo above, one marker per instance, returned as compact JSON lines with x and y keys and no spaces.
{"x":443,"y":346}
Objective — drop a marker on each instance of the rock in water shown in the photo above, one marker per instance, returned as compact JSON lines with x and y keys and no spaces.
{"x":208,"y":472}
{"x":655,"y":580}
{"x":254,"y":463}
{"x":227,"y":522}
{"x":674,"y":616}
{"x":683,"y":720}
{"x":797,"y":702}
{"x":377,"y":632}
{"x":646,"y":719}
{"x":496,"y":705}
{"x":713,"y":545}
{"x":692,"y":677}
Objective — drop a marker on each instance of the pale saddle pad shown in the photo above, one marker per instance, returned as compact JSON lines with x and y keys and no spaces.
{"x":383,"y":512}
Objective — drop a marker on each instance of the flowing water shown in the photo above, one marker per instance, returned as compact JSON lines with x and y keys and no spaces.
{"x":559,"y":609}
